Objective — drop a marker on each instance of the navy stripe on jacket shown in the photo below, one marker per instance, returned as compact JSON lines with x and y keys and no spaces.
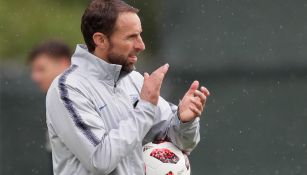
{"x":72,"y":111}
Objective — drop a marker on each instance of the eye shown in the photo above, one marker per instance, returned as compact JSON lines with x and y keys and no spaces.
{"x":132,"y":36}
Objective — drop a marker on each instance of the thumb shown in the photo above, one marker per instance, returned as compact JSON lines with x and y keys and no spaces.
{"x":193,"y":87}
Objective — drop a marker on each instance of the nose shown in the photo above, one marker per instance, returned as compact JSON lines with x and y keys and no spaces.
{"x":139,"y":44}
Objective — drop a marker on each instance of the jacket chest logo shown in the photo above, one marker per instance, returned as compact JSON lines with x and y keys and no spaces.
{"x":134,"y":98}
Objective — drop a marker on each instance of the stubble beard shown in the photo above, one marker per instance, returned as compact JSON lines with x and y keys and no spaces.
{"x":119,"y":59}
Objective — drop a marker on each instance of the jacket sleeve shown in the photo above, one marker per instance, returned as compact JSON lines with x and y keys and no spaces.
{"x":168,"y":126}
{"x":76,"y":122}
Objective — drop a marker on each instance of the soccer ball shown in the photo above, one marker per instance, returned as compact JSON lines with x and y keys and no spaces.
{"x":164,"y":158}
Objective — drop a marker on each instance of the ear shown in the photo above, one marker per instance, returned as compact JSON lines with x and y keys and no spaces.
{"x":101,"y":41}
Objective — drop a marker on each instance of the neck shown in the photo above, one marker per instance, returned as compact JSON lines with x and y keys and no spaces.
{"x":101,"y":54}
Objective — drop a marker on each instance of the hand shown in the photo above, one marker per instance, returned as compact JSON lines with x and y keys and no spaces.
{"x":193,"y":102}
{"x":152,"y":84}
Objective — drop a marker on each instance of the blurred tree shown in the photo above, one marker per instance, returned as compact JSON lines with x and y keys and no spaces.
{"x":23,"y":25}
{"x":26,"y":24}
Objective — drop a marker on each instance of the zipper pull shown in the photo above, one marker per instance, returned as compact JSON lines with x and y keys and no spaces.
{"x":114,"y":89}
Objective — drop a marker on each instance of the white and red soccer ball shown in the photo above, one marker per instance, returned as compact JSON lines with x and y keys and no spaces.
{"x":164,"y":158}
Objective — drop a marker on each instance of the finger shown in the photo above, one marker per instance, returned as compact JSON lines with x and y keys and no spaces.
{"x":160,"y":73}
{"x":197,"y":103}
{"x":146,"y":76}
{"x":163,"y":69}
{"x":205,"y":91}
{"x":193,"y":87}
{"x":195,"y":110}
{"x":201,"y":96}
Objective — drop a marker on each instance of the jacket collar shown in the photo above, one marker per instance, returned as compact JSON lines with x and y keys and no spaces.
{"x":95,"y":66}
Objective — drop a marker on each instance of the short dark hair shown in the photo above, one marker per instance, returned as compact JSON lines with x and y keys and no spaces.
{"x":101,"y":16}
{"x":54,"y":48}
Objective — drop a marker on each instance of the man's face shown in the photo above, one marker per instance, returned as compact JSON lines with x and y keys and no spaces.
{"x":126,"y":41}
{"x":44,"y":69}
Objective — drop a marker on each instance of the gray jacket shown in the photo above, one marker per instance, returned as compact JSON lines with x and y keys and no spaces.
{"x":97,"y":122}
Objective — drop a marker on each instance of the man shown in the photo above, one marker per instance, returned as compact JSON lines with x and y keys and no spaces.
{"x":100,"y":111}
{"x":48,"y":60}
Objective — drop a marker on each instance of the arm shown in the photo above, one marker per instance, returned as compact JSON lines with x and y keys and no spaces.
{"x":181,"y":125}
{"x":189,"y":111}
{"x":82,"y":130}
{"x":185,"y":135}
{"x":168,"y":125}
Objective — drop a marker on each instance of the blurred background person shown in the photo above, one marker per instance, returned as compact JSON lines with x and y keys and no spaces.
{"x":47,"y":60}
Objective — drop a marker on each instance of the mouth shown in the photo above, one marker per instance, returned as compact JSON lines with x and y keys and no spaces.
{"x":133,"y":58}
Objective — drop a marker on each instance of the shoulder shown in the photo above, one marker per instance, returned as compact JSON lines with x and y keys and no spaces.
{"x":70,"y":79}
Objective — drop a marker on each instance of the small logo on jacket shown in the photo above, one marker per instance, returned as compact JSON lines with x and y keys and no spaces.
{"x":103,"y":106}
{"x":134,"y":98}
